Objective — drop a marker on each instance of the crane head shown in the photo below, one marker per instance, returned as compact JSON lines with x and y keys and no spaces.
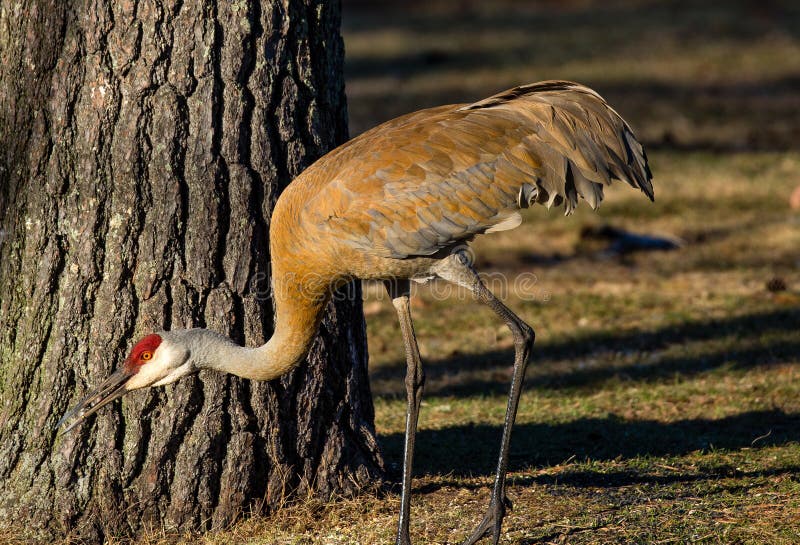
{"x":153,"y":361}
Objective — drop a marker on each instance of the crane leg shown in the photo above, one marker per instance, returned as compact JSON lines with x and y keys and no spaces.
{"x":399,"y":291}
{"x":458,"y":269}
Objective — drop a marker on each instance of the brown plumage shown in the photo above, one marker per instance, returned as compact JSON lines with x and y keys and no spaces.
{"x":398,"y":203}
{"x":434,"y":178}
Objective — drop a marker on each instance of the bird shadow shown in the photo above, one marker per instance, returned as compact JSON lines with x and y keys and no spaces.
{"x":470,"y":450}
{"x":760,"y":339}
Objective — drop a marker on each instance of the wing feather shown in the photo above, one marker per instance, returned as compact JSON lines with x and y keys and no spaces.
{"x":429,"y":180}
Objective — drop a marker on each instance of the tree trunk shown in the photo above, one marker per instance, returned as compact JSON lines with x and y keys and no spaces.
{"x":143,"y":144}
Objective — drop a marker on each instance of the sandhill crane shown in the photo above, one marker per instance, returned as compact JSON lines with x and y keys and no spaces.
{"x":399,"y":203}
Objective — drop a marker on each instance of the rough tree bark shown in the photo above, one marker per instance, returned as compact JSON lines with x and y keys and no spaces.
{"x":142,"y":146}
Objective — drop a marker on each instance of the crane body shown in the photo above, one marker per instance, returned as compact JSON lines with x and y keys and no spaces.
{"x":400,"y":203}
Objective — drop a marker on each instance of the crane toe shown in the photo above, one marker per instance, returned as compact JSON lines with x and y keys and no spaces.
{"x":491,"y":523}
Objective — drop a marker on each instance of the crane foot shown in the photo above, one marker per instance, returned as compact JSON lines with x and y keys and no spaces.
{"x":491,"y":522}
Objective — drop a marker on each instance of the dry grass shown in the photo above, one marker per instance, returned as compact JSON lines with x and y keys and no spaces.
{"x":663,"y":400}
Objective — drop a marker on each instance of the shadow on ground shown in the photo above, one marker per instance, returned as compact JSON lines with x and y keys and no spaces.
{"x":554,"y":34}
{"x":508,"y":42}
{"x":756,"y":339}
{"x":471,"y":450}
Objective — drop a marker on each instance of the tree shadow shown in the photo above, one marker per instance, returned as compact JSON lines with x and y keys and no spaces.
{"x":720,"y":116}
{"x":470,"y":450}
{"x":753,"y":347}
{"x":552,"y":34}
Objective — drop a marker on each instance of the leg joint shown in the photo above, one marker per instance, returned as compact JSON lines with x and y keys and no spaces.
{"x":525,"y":336}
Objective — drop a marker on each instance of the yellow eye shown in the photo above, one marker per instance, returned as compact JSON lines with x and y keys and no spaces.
{"x":146,"y":356}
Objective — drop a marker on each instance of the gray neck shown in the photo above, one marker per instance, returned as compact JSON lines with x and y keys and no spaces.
{"x":211,"y":350}
{"x":297,"y":318}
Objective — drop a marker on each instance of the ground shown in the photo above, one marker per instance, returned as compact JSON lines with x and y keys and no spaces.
{"x":662,"y":403}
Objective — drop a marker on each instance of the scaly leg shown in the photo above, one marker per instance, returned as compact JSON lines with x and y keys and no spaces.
{"x":457,"y":269}
{"x":399,"y":291}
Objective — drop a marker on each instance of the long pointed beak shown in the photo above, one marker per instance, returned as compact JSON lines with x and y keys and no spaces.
{"x":112,"y":388}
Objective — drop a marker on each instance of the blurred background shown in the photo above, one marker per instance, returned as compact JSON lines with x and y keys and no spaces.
{"x":711,"y":75}
{"x":663,"y":399}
